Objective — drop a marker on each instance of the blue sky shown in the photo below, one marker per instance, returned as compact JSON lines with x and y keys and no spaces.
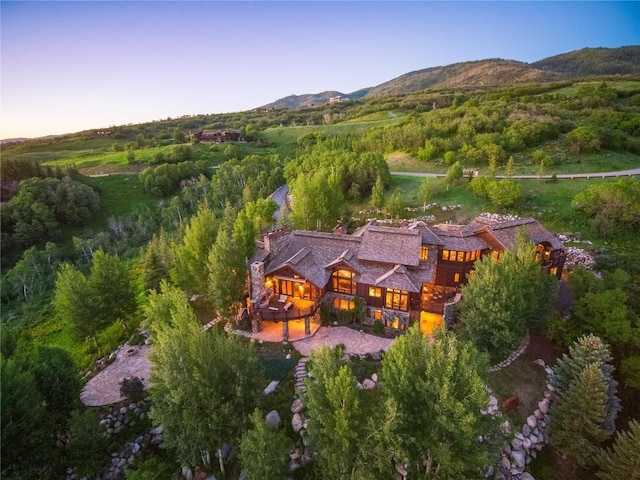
{"x":71,"y":66}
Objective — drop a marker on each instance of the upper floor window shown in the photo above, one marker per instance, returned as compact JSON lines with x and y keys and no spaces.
{"x":397,"y":299}
{"x":424,"y":252}
{"x":455,"y":256}
{"x":375,"y":292}
{"x":343,"y":281}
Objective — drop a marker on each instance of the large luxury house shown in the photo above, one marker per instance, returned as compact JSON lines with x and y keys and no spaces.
{"x":403,"y":274}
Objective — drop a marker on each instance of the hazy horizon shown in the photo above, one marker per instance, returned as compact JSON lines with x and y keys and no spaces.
{"x":72,"y":66}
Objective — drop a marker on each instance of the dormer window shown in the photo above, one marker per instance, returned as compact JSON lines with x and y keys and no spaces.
{"x":424,"y":252}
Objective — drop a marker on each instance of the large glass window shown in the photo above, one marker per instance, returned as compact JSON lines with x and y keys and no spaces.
{"x":424,"y":252}
{"x":397,"y":299}
{"x":343,"y":281}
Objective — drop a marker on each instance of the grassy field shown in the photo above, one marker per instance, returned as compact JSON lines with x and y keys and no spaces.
{"x":119,"y":195}
{"x":282,"y":136}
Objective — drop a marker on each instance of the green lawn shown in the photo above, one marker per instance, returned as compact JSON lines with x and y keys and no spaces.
{"x":119,"y":195}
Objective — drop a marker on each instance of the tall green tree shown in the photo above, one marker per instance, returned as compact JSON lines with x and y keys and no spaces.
{"x":622,"y":460}
{"x":264,"y":451}
{"x":438,"y":386}
{"x":244,"y":234}
{"x":155,"y":261}
{"x":113,"y":289}
{"x":25,"y":433}
{"x":333,"y":405}
{"x":205,"y":385}
{"x":73,"y":302}
{"x":227,"y":274}
{"x":395,"y":206}
{"x":87,"y":443}
{"x":454,"y":174}
{"x":502,"y":299}
{"x":190,"y":268}
{"x":377,"y":193}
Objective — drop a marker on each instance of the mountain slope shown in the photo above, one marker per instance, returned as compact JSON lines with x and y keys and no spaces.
{"x":480,"y":73}
{"x":594,"y":61}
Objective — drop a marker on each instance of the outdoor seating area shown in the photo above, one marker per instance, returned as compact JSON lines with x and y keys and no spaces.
{"x":281,"y":307}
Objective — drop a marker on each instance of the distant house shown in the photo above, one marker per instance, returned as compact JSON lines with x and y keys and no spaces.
{"x":403,"y":275}
{"x":102,"y":133}
{"x":218,"y":136}
{"x":337,"y":99}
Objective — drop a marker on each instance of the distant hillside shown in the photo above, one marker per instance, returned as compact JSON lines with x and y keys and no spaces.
{"x":481,"y":73}
{"x":594,"y":61}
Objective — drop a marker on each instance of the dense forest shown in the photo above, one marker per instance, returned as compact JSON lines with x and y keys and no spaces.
{"x":107,"y":236}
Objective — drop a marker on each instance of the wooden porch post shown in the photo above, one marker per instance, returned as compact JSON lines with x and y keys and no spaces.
{"x":307,"y":325}
{"x":285,"y":330}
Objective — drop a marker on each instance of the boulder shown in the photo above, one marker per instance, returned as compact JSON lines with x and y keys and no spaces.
{"x":532,"y":421}
{"x":297,"y":406}
{"x":518,"y":457}
{"x":296,"y":422}
{"x":526,"y":476}
{"x":273,"y":419}
{"x":526,"y":430}
{"x":374,"y":377}
{"x":368,"y":384}
{"x":543,"y":405}
{"x":271,"y":387}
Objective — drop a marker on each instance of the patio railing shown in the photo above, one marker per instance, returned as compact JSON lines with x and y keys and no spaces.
{"x":291,"y":314}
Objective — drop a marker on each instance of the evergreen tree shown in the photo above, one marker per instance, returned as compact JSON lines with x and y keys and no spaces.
{"x":264,"y":451}
{"x":155,"y":261}
{"x":578,"y":415}
{"x":588,"y":350}
{"x":623,"y":459}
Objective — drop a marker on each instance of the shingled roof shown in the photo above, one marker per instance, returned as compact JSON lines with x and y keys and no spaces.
{"x":390,"y":257}
{"x":459,"y":238}
{"x":390,"y":245}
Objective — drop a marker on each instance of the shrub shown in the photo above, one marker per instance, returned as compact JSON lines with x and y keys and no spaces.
{"x":132,"y":389}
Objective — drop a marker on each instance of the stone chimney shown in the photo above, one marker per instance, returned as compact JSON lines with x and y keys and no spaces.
{"x":258,"y":289}
{"x":274,"y":242}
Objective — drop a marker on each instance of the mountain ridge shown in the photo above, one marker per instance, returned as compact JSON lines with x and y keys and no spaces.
{"x":582,"y":63}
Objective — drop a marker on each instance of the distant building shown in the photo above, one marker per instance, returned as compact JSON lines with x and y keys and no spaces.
{"x":102,"y":133}
{"x":218,"y":136}
{"x":402,"y":275}
{"x":337,"y":99}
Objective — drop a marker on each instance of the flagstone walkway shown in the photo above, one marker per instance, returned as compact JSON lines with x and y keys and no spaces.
{"x":355,"y":342}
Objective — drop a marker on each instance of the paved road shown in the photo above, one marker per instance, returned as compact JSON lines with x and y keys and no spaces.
{"x":280,"y":197}
{"x":621,"y":173}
